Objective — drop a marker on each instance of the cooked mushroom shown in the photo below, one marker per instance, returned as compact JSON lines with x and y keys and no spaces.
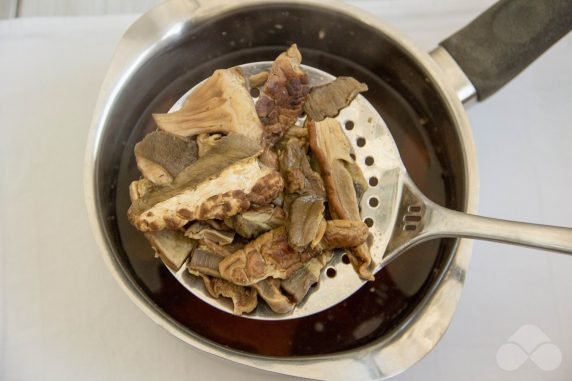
{"x":161,"y":156}
{"x":295,"y":168}
{"x":300,"y":282}
{"x":172,"y":246}
{"x":254,"y":222}
{"x":332,"y":150}
{"x":221,"y":104}
{"x":138,"y":188}
{"x":283,"y":95}
{"x":258,"y":79}
{"x":204,"y":262}
{"x":270,"y":255}
{"x":244,"y":299}
{"x":200,"y":230}
{"x":327,"y":100}
{"x":224,"y":182}
{"x":304,"y":221}
{"x":269,"y":290}
{"x":207,"y":141}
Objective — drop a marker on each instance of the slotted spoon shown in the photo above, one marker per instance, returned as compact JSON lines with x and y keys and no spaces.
{"x":398,"y":213}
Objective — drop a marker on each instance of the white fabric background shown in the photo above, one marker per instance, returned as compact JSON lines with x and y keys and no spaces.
{"x":63,"y":317}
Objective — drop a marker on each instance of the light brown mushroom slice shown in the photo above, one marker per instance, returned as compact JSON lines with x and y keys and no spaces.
{"x":200,"y":231}
{"x":258,"y":79}
{"x":304,"y":221}
{"x":269,"y":290}
{"x":327,"y":100}
{"x":332,"y":150}
{"x":224,"y":182}
{"x":270,"y":255}
{"x":161,"y":156}
{"x":244,"y":299}
{"x":172,"y":246}
{"x":221,"y":104}
{"x":204,"y":262}
{"x":300,"y":282}
{"x":207,"y":141}
{"x":254,"y":222}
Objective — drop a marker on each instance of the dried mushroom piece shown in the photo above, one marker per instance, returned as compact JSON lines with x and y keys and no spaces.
{"x":304,"y":221}
{"x":252,"y":223}
{"x":282,"y":96}
{"x":258,"y":79}
{"x":300,"y":282}
{"x":327,"y":100}
{"x":221,"y":104}
{"x":201,"y":230}
{"x":269,"y":290}
{"x":161,"y":156}
{"x":224,"y":182}
{"x":244,"y":299}
{"x":270,"y":255}
{"x":172,"y":246}
{"x":207,"y":141}
{"x":205,"y":261}
{"x":296,"y":170}
{"x":332,"y":150}
{"x":138,"y":188}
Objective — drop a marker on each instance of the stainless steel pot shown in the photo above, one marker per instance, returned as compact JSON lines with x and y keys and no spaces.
{"x":420,"y":95}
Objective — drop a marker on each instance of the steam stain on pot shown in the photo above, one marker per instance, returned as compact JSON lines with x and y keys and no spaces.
{"x":370,"y":314}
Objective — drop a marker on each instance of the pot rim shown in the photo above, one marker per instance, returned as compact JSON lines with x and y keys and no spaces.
{"x":380,"y":359}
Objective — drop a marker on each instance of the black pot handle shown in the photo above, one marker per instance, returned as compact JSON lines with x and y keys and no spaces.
{"x":500,"y":43}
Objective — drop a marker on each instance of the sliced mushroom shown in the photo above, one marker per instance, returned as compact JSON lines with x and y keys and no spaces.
{"x":283,"y":95}
{"x":258,"y":79}
{"x":300,"y":282}
{"x":304,"y":221}
{"x":332,"y":150}
{"x":204,"y":262}
{"x":270,"y":256}
{"x":360,"y":183}
{"x":172,"y":246}
{"x":200,"y":230}
{"x":327,"y":100}
{"x":244,"y":299}
{"x":269,"y":290}
{"x":138,"y":188}
{"x":254,"y":222}
{"x":221,"y":104}
{"x":224,"y":182}
{"x":161,"y":156}
{"x":344,"y":233}
{"x":295,"y":168}
{"x":207,"y":141}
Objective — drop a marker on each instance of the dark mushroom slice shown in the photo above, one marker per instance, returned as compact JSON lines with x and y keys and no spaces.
{"x":221,"y":104}
{"x":204,"y":231}
{"x":327,"y":100}
{"x":254,"y":222}
{"x":223,"y":183}
{"x":332,"y":150}
{"x":300,"y":282}
{"x":270,"y":255}
{"x":244,"y":299}
{"x":296,"y":170}
{"x":282,"y":96}
{"x":269,"y":290}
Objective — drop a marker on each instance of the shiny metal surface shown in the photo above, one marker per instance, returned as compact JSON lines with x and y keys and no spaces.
{"x":420,"y":220}
{"x":162,"y":28}
{"x":457,"y":79}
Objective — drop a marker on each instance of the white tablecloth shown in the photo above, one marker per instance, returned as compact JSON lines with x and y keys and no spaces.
{"x":63,"y":317}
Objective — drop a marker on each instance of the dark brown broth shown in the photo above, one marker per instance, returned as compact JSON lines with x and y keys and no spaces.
{"x":371,"y":313}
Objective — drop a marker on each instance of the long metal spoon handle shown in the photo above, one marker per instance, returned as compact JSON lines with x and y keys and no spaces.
{"x":442,"y":222}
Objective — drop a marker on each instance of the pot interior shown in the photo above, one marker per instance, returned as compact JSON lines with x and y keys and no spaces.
{"x":400,"y":90}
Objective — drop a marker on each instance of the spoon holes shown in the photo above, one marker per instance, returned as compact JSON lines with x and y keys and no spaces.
{"x":331,"y":272}
{"x":373,"y":202}
{"x":360,"y":142}
{"x":346,"y":259}
{"x":369,"y":222}
{"x":373,"y":181}
{"x":349,"y":125}
{"x":369,"y":161}
{"x":255,"y":92}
